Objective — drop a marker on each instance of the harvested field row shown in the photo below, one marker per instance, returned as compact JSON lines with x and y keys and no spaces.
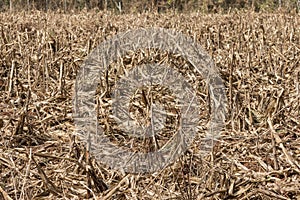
{"x":256,"y":157}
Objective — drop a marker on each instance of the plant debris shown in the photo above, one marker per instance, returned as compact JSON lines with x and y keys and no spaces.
{"x":256,"y":157}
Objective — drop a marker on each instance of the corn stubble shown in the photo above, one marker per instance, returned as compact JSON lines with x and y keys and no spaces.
{"x":256,"y":157}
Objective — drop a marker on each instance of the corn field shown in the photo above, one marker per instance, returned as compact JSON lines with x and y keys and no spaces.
{"x":256,"y":157}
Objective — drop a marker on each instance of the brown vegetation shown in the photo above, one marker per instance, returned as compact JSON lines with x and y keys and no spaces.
{"x":257,"y":156}
{"x":129,"y":6}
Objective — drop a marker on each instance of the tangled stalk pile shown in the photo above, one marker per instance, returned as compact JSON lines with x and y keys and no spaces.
{"x":257,"y":155}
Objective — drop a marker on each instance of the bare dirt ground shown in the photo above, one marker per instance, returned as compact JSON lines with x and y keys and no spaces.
{"x":256,"y":157}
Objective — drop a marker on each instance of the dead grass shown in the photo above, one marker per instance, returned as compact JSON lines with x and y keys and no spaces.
{"x":257,"y":156}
